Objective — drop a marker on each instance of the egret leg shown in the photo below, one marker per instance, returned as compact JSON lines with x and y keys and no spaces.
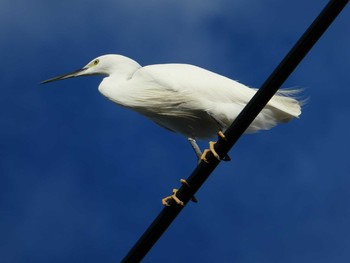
{"x":195,"y":147}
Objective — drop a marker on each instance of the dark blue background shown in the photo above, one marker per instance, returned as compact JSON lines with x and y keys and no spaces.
{"x":81,"y":179}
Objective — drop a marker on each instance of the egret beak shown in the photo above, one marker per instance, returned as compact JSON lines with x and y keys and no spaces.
{"x":75,"y":73}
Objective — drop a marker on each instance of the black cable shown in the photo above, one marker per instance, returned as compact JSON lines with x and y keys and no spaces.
{"x":233,"y":133}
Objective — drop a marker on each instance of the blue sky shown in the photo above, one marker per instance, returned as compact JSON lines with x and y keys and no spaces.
{"x":81,"y":179}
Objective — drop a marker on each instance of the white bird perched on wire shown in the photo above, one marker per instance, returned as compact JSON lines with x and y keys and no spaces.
{"x":183,"y":98}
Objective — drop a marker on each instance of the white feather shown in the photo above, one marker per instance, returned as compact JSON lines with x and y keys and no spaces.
{"x":193,"y":101}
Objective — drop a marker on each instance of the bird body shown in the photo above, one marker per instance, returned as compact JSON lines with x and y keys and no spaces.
{"x":189,"y":100}
{"x":183,"y":98}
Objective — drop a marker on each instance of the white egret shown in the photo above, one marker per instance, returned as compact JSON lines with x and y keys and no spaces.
{"x":183,"y":98}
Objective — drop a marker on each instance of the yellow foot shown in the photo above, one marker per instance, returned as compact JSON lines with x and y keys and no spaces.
{"x":175,"y":198}
{"x":172,"y":197}
{"x":212,"y":150}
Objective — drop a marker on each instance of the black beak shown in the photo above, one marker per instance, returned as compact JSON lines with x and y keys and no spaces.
{"x":75,"y":73}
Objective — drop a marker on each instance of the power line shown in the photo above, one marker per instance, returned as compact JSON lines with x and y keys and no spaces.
{"x":234,"y":132}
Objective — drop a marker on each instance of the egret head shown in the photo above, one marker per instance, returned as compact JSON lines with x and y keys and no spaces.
{"x":105,"y":65}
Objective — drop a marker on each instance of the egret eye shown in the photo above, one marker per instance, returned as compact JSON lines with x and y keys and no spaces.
{"x":96,"y":61}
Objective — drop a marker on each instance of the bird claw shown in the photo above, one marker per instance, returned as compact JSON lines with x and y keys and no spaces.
{"x":211,"y":149}
{"x":172,"y":197}
{"x":222,"y":135}
{"x":175,"y":198}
